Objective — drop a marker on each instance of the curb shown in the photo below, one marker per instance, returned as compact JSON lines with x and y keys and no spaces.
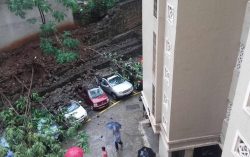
{"x":141,"y":129}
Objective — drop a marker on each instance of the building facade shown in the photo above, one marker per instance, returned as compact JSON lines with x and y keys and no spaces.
{"x":190,"y":48}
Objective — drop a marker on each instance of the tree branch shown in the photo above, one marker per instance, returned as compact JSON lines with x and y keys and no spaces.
{"x":8,"y":101}
{"x":42,"y":15}
{"x":18,"y":80}
{"x":29,"y":91}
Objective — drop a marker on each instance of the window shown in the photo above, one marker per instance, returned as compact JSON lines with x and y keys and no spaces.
{"x":104,"y":83}
{"x":155,"y":8}
{"x":241,"y":148}
{"x":153,"y":99}
{"x":154,"y":51}
{"x":207,"y":151}
{"x":179,"y":153}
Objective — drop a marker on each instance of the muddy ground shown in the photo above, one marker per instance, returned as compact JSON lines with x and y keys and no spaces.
{"x":56,"y":82}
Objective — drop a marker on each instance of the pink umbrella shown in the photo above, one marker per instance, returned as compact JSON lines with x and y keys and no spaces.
{"x":74,"y":152}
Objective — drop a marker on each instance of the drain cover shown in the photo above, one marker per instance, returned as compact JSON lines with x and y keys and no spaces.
{"x":132,"y":107}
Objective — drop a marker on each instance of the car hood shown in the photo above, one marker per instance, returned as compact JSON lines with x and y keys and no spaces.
{"x":100,"y":98}
{"x":77,"y":113}
{"x":122,"y":87}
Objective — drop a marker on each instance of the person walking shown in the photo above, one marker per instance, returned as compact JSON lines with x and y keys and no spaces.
{"x":118,"y":140}
{"x":104,"y":152}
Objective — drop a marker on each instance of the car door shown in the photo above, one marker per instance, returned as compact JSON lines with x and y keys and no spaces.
{"x":86,"y":97}
{"x":105,"y":86}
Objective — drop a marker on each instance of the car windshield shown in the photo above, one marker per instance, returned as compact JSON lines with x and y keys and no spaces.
{"x":96,"y":92}
{"x":71,"y":107}
{"x":116,"y":80}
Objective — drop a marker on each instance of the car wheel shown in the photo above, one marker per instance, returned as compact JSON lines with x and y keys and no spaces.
{"x":114,"y":96}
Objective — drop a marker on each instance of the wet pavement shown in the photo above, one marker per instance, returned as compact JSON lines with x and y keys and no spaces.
{"x":128,"y":112}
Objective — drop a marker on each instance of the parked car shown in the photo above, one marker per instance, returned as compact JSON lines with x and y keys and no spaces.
{"x":115,"y":85}
{"x":73,"y":110}
{"x":5,"y":144}
{"x":94,"y":96}
{"x":47,"y":127}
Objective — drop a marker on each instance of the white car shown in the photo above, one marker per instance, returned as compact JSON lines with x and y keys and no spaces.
{"x":74,"y":110}
{"x":116,"y":86}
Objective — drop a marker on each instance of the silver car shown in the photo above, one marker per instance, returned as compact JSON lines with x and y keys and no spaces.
{"x":116,"y":86}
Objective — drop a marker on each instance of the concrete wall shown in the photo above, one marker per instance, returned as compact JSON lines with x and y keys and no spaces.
{"x":206,"y":47}
{"x":14,"y":31}
{"x":239,"y":118}
{"x":148,"y":23}
{"x":152,"y":24}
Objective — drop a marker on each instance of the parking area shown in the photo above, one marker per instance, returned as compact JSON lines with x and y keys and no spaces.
{"x":128,"y":112}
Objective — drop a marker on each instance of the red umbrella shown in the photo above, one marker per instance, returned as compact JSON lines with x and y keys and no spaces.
{"x":74,"y":152}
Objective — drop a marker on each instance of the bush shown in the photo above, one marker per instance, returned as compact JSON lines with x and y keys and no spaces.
{"x":22,"y":133}
{"x":93,"y":10}
{"x":64,"y":57}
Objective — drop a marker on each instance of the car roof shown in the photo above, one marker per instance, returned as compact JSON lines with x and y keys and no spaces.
{"x":89,"y":87}
{"x":113,"y":76}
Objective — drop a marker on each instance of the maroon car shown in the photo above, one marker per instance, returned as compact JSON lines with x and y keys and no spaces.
{"x":95,"y":97}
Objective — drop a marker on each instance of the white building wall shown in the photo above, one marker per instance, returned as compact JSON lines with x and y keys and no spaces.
{"x":239,"y":122}
{"x":148,"y":26}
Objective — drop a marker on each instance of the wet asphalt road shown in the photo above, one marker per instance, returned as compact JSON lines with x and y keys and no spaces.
{"x":128,"y":112}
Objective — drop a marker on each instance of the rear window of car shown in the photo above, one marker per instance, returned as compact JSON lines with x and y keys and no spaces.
{"x":116,"y":80}
{"x":72,"y":106}
{"x":95,"y":92}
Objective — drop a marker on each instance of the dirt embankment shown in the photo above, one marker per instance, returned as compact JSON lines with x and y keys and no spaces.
{"x":49,"y":77}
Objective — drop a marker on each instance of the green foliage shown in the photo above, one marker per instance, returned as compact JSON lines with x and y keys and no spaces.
{"x":49,"y":44}
{"x":72,"y":130}
{"x":7,"y":117}
{"x":130,"y":69}
{"x":93,"y":10}
{"x":39,"y":149}
{"x":36,"y":97}
{"x":20,"y":104}
{"x":63,"y":54}
{"x":83,"y":141}
{"x":20,"y":7}
{"x":3,"y":151}
{"x":69,"y":42}
{"x":14,"y":135}
{"x":59,"y":16}
{"x":23,"y":135}
{"x":47,"y":29}
{"x":64,"y":57}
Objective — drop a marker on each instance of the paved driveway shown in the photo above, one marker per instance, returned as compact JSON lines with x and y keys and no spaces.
{"x":127,"y":112}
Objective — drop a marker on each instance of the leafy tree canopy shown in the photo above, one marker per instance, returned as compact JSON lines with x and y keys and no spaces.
{"x":63,"y":47}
